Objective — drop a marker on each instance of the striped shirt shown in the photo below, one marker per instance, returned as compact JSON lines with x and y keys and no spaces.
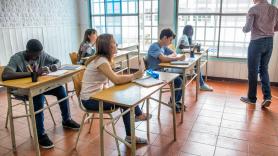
{"x":262,"y":20}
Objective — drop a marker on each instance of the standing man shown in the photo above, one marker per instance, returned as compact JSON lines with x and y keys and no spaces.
{"x":262,"y":21}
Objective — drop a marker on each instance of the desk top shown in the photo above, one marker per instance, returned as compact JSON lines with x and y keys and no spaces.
{"x":131,"y":94}
{"x":169,"y":65}
{"x":127,"y":46}
{"x":26,"y":83}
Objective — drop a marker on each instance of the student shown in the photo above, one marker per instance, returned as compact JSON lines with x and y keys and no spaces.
{"x":98,"y":72}
{"x":87,"y":47}
{"x":262,"y":21}
{"x":17,"y":68}
{"x":184,"y":41}
{"x":159,"y":52}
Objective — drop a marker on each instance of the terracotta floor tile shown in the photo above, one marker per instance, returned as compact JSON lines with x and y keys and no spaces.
{"x":203,"y":138}
{"x":233,"y":133}
{"x":257,"y":149}
{"x":228,"y":152}
{"x":208,"y":129}
{"x":198,"y":149}
{"x":233,"y":144}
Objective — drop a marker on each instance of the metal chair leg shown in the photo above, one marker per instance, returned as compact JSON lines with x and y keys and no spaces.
{"x":28,"y":121}
{"x":80,"y":129}
{"x":91,"y":123}
{"x":143,"y":105}
{"x":159,"y":103}
{"x":46,"y":102}
{"x":7,"y":118}
{"x":115,"y":133}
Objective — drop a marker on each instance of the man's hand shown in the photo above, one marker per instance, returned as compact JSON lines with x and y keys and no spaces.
{"x":53,"y":67}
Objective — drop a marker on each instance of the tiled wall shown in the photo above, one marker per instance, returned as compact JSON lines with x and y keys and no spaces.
{"x":53,"y":22}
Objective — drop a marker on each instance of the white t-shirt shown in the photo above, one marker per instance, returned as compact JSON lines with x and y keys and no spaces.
{"x":93,"y":80}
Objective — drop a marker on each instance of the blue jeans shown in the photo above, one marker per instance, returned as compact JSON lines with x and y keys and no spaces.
{"x":38,"y":100}
{"x":259,"y":53}
{"x":178,"y":93}
{"x":94,"y":105}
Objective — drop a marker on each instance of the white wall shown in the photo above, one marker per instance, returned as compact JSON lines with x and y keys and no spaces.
{"x":53,"y":22}
{"x":226,"y":69}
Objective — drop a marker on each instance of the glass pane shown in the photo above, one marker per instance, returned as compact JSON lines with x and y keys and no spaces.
{"x":199,"y":6}
{"x":233,"y":42}
{"x":130,"y":21}
{"x":205,"y":29}
{"x":154,"y":6}
{"x":237,"y":6}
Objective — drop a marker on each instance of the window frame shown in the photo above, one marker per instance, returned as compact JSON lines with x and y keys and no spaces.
{"x":220,"y":14}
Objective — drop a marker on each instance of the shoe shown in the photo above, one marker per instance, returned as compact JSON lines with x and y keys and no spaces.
{"x":149,"y":116}
{"x":71,"y":124}
{"x":45,"y":142}
{"x":266,"y":103}
{"x":247,"y":100}
{"x":206,"y":87}
{"x":138,"y":140}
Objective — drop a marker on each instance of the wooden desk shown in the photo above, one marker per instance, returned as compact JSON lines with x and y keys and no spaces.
{"x":130,"y":95}
{"x":184,"y":69}
{"x":45,"y":83}
{"x":204,"y":60}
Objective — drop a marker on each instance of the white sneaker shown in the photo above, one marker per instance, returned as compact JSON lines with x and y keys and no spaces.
{"x":206,"y":87}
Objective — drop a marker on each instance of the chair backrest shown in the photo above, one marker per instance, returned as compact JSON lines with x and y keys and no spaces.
{"x":1,"y":71}
{"x":73,"y":57}
{"x":77,"y":78}
{"x":145,"y":60}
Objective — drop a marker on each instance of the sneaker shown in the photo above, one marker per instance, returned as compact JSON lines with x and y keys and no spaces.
{"x":206,"y":87}
{"x":138,"y":140}
{"x":266,"y":103}
{"x":144,"y":118}
{"x":71,"y":124}
{"x":247,"y":100}
{"x":45,"y":142}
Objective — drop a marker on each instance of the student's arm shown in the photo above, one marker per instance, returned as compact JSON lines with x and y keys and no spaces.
{"x":167,"y":59}
{"x":10,"y":73}
{"x":249,"y":21}
{"x":276,"y":26}
{"x":53,"y":63}
{"x":118,"y":79}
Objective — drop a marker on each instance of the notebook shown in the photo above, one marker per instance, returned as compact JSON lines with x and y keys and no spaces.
{"x":148,"y":81}
{"x":70,"y":67}
{"x":179,"y":62}
{"x":57,"y":73}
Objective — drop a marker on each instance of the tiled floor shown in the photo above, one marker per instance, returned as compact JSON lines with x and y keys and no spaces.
{"x":217,"y":124}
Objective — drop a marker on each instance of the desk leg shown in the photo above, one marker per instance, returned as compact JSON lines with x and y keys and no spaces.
{"x":183,"y":94}
{"x":132,"y":128}
{"x":148,"y":122}
{"x":101,"y":128}
{"x":174,"y":109}
{"x":198,"y":78}
{"x":10,"y":112}
{"x":33,"y":121}
{"x":127,"y":64}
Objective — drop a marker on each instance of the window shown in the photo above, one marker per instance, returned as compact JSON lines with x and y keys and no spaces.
{"x":129,"y":21}
{"x":217,"y":24}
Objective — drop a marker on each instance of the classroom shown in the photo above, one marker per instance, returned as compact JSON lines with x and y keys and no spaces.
{"x":139,"y":78}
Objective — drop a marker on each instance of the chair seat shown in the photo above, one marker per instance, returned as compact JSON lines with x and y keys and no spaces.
{"x":19,"y":96}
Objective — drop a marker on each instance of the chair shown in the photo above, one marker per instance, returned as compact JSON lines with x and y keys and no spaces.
{"x":73,"y":57}
{"x":77,"y":86}
{"x":16,"y":96}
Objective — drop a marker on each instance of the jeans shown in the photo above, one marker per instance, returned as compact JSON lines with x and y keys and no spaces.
{"x":178,"y":93}
{"x":38,"y":101}
{"x":259,"y":53}
{"x":94,"y":105}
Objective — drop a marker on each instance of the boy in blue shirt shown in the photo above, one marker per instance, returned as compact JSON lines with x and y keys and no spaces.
{"x":159,"y":52}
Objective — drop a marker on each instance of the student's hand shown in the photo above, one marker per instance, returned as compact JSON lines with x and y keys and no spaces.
{"x":182,"y":57}
{"x":53,"y":67}
{"x":138,"y":74}
{"x":45,"y":70}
